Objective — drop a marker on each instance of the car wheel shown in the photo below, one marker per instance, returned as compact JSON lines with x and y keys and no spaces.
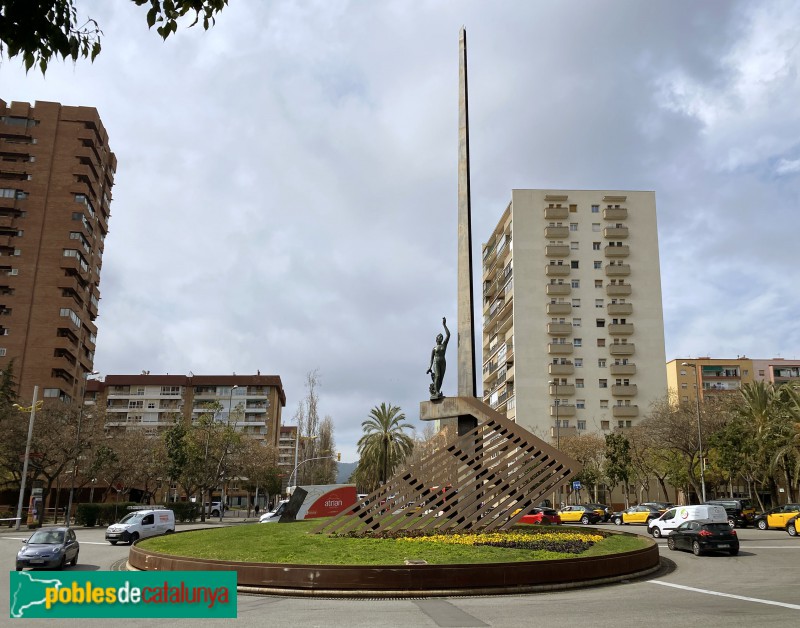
{"x":19,"y":568}
{"x":792,"y":529}
{"x":671,"y":543}
{"x":585,"y":520}
{"x":734,"y":551}
{"x":762,"y":524}
{"x":113,"y":542}
{"x":618,"y":521}
{"x":696,"y":549}
{"x":731,"y":522}
{"x":134,"y":538}
{"x":656,"y":532}
{"x":74,"y":561}
{"x":62,"y":563}
{"x":169,"y":532}
{"x":215,"y":513}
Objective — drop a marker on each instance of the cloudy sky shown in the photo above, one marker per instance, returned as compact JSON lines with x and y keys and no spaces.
{"x":286,"y":196}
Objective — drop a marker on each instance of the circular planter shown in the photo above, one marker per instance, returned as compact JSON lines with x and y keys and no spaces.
{"x":413,"y":580}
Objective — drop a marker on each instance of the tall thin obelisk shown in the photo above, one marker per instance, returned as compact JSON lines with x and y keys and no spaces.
{"x":466,"y":327}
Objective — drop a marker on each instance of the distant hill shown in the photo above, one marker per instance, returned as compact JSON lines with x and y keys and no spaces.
{"x":345,"y":469}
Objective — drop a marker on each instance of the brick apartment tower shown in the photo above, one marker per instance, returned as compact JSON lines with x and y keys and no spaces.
{"x":56,"y":175}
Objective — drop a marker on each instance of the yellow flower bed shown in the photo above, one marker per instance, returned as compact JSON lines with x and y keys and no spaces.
{"x":492,"y":538}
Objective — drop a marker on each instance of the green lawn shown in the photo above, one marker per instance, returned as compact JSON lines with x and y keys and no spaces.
{"x":293,"y":543}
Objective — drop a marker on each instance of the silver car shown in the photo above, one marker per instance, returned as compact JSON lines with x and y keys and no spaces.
{"x":49,"y":548}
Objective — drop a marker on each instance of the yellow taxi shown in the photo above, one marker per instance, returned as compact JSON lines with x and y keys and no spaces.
{"x":636,"y":514}
{"x":778,"y":517}
{"x":579,"y":514}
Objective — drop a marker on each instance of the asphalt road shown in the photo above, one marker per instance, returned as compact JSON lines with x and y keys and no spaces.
{"x":761,"y":584}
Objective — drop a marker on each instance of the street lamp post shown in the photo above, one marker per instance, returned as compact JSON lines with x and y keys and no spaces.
{"x":296,"y":456}
{"x":297,"y":466}
{"x":32,"y":410}
{"x":699,"y":430}
{"x":68,"y":516}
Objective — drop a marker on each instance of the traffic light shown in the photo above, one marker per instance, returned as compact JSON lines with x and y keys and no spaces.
{"x":339,"y":456}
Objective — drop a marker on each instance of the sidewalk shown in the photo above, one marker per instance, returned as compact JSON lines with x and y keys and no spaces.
{"x":227,"y":521}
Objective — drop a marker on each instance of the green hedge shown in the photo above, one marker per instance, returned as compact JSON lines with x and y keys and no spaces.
{"x":90,"y":515}
{"x":185,"y":511}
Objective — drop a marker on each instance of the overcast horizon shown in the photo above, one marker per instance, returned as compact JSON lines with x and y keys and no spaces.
{"x":286,"y":192}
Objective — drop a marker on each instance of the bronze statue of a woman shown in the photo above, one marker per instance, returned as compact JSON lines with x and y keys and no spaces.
{"x":438,"y":363}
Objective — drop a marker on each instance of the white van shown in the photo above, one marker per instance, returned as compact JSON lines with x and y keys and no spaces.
{"x":141,"y":524}
{"x":274,"y":514}
{"x":674,"y":517}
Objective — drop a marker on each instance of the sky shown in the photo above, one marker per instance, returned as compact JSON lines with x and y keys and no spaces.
{"x":286,"y":193}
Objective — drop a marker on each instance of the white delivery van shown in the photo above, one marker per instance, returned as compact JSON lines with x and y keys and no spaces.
{"x":675,"y":516}
{"x":141,"y":524}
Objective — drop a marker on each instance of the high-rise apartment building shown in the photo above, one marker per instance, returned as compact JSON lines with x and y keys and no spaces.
{"x":719,"y":376}
{"x":251,"y":403}
{"x":573,"y":330}
{"x":56,"y":175}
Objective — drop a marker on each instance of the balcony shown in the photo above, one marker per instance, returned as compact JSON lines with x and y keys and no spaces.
{"x":562,"y":390}
{"x":558,"y":289}
{"x":624,"y":412}
{"x":618,"y":270}
{"x":559,"y":349}
{"x":619,"y":309}
{"x":622,"y":390}
{"x":618,"y":251}
{"x":619,"y":289}
{"x":620,"y":329}
{"x":615,"y":213}
{"x":556,"y":233}
{"x":561,"y":369}
{"x":622,"y":369}
{"x":556,"y":250}
{"x":557,"y":433}
{"x":615,"y":233}
{"x":622,"y":349}
{"x":559,"y":308}
{"x":559,"y":329}
{"x":564,"y":410}
{"x":556,"y":213}
{"x":557,"y":270}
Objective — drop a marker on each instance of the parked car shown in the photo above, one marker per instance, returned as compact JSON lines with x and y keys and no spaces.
{"x":637,"y":514}
{"x":672,"y":518}
{"x":606,"y":512}
{"x":213,"y":509}
{"x":542,"y":516}
{"x":49,"y":548}
{"x":793,"y":526}
{"x":776,"y":517}
{"x":578,"y":514}
{"x":740,"y":511}
{"x":703,"y":537}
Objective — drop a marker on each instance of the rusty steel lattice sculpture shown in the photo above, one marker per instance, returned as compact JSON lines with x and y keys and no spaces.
{"x":486,"y":479}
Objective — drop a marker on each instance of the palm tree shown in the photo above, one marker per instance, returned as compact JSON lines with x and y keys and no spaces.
{"x":384,"y":445}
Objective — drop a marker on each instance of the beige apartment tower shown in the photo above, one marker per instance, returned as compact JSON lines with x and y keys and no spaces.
{"x":573,"y":331}
{"x":56,"y":175}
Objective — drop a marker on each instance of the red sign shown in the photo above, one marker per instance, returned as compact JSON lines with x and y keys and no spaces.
{"x":332,"y":503}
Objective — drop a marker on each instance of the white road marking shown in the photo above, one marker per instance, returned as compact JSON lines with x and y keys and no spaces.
{"x":730,"y":595}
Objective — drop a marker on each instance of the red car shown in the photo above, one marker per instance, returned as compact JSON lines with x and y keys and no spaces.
{"x":542,"y":516}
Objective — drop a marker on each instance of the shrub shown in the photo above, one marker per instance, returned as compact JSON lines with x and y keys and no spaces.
{"x":86,"y":514}
{"x":185,"y":511}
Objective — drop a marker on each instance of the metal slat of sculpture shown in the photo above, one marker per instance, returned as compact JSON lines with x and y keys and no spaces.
{"x":486,"y":479}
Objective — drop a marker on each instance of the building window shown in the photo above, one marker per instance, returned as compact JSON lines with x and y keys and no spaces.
{"x":595,"y":209}
{"x":135,"y":404}
{"x":577,"y":342}
{"x":604,"y":403}
{"x":683,"y":372}
{"x":628,"y":423}
{"x":573,"y":246}
{"x":573,"y":226}
{"x":580,"y":403}
{"x":578,"y":383}
{"x":603,"y":383}
{"x":581,"y":424}
{"x":685,"y":398}
{"x":601,"y":363}
{"x":601,"y":342}
{"x":598,"y":265}
{"x":575,"y":283}
{"x":576,"y":302}
{"x":604,"y":425}
{"x":578,"y":363}
{"x":600,"y":322}
{"x":573,"y":264}
{"x":599,"y":303}
{"x":576,"y":322}
{"x":52,"y":392}
{"x":683,"y":386}
{"x":595,"y":246}
{"x":620,"y":424}
{"x":598,"y":283}
{"x":595,"y":226}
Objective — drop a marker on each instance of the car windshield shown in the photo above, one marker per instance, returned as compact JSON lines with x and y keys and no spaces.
{"x":130,"y":517}
{"x":47,"y":537}
{"x":717,"y":527}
